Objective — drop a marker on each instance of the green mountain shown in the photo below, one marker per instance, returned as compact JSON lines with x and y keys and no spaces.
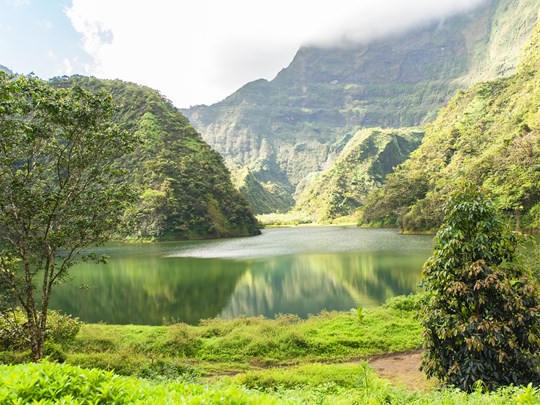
{"x":489,"y":134}
{"x":282,"y":132}
{"x":5,"y":70}
{"x":360,"y":169}
{"x":185,"y":190}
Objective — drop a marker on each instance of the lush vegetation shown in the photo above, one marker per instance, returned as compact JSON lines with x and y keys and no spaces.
{"x":243,"y":343}
{"x":490,"y":135}
{"x":46,"y":383}
{"x":480,"y":315}
{"x":287,"y":129}
{"x":218,"y":345}
{"x":62,"y":189}
{"x":361,"y":168}
{"x":183,"y":188}
{"x":240,"y":361}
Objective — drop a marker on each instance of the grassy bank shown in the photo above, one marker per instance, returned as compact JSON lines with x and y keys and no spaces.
{"x":219,"y":346}
{"x":287,"y":360}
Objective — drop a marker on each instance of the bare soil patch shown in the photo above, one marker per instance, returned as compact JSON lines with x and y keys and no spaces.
{"x":402,"y":369}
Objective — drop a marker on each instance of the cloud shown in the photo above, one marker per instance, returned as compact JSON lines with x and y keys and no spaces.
{"x":200,"y":51}
{"x":68,"y":66}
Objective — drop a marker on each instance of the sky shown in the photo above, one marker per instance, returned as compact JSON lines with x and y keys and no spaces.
{"x":194,"y":51}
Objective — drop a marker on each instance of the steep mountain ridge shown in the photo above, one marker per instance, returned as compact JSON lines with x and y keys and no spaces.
{"x":286,"y":130}
{"x":185,"y":190}
{"x":489,"y":134}
{"x":361,"y":168}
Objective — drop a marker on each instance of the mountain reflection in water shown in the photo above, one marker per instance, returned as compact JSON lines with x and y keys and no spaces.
{"x":285,"y":270}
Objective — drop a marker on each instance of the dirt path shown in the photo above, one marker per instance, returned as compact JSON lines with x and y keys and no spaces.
{"x":401,"y":369}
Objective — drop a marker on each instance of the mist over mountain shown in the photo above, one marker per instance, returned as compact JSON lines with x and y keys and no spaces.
{"x":279,"y":134}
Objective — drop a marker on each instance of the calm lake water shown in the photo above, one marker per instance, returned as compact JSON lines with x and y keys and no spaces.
{"x":285,"y":270}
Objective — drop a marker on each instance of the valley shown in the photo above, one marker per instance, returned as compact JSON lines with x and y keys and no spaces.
{"x":277,"y":136}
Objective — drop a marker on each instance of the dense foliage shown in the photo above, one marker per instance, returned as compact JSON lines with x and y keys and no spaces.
{"x":482,"y":313}
{"x":184,"y":190}
{"x":361,"y":168}
{"x":285,"y":360}
{"x":490,"y":135}
{"x":48,"y":383}
{"x":60,"y":329}
{"x":61,"y":190}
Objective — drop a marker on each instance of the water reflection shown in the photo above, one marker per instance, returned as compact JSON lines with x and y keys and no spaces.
{"x":298,"y":270}
{"x":307,"y":284}
{"x":149,"y":291}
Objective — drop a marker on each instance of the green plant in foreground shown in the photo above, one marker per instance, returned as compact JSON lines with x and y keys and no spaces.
{"x":49,"y":383}
{"x":481,"y":313}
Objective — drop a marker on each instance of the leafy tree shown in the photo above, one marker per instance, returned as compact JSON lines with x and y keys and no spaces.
{"x":61,"y":190}
{"x":482,"y":314}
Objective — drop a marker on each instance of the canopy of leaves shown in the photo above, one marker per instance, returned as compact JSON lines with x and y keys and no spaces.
{"x":62,"y":189}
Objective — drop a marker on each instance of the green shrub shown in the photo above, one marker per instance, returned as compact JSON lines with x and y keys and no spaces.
{"x":49,"y":383}
{"x":167,"y":370}
{"x":411,"y":302}
{"x":61,"y":329}
{"x":480,"y":314}
{"x":182,"y":340}
{"x":53,"y":352}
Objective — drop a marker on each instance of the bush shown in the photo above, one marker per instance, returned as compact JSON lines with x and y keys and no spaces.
{"x":480,"y":314}
{"x":182,"y":340}
{"x":61,"y":329}
{"x":411,"y":302}
{"x":167,"y":370}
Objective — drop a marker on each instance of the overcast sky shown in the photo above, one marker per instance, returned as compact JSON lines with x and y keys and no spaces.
{"x":193,"y":51}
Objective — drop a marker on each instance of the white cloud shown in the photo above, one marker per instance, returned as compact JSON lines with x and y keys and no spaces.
{"x":200,"y":51}
{"x":68,"y":66}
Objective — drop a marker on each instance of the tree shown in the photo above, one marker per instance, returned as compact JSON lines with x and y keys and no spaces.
{"x":61,"y":191}
{"x":481,"y":316}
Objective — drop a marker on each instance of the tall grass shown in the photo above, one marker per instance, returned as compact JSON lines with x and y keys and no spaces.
{"x":240,"y":344}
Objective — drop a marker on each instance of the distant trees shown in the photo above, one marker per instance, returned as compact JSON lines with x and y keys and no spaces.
{"x":482,"y":313}
{"x":61,"y":190}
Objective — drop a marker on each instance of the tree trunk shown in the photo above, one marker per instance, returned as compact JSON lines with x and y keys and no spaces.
{"x":37,"y":342}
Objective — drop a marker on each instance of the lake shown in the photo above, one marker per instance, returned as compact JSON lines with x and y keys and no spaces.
{"x":300,"y":270}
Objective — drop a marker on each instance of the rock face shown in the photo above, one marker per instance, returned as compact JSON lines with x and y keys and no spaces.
{"x":282,"y":132}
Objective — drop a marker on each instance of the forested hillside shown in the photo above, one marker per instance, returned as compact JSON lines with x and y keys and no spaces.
{"x":360,"y":169}
{"x":279,"y":133}
{"x":185,"y":191}
{"x":489,"y":134}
